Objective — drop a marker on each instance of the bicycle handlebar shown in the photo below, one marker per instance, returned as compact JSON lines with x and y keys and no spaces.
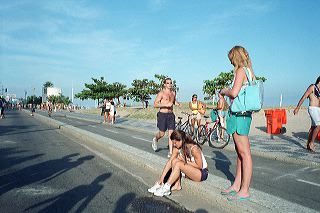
{"x":185,"y":113}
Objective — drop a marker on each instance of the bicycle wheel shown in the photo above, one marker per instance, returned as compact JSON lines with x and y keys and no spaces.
{"x":219,"y":137}
{"x":178,"y":126}
{"x":201,"y":137}
{"x":187,"y":130}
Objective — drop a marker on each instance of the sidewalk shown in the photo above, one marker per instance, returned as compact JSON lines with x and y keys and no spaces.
{"x":278,"y":147}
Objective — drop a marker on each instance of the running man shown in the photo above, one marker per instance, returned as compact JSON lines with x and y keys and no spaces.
{"x":165,"y":100}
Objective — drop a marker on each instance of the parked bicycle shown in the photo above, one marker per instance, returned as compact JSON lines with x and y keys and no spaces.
{"x":185,"y":126}
{"x":216,"y":135}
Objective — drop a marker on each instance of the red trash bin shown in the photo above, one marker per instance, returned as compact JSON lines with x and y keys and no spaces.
{"x":268,"y":114}
{"x":274,"y":120}
{"x":284,"y":116}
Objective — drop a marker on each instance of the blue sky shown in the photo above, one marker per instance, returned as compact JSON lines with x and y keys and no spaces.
{"x":71,"y":41}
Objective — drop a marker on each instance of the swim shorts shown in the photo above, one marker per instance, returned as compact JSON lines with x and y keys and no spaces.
{"x":239,"y":123}
{"x":165,"y":121}
{"x":314,"y":113}
{"x":204,"y":174}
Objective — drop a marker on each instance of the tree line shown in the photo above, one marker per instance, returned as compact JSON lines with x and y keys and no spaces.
{"x":142,"y":89}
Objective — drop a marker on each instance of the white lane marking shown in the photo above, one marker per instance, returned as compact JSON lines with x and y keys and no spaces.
{"x":7,"y":142}
{"x":314,"y":170}
{"x":112,"y":131}
{"x":141,"y":139}
{"x":295,"y":173}
{"x":36,"y":190}
{"x":311,"y":183}
{"x":92,"y":126}
{"x":217,"y":158}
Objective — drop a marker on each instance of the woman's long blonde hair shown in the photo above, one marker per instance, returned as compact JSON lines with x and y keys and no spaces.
{"x":239,"y":57}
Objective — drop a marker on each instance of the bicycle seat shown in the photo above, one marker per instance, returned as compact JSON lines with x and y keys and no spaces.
{"x":205,"y":116}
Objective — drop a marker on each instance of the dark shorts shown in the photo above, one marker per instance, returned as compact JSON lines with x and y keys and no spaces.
{"x":107,"y":110}
{"x":166,"y":121}
{"x":204,"y":174}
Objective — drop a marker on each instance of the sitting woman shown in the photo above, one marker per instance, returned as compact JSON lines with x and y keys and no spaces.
{"x":186,"y":158}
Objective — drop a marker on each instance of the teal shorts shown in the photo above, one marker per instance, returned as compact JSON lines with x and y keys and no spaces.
{"x":239,"y":123}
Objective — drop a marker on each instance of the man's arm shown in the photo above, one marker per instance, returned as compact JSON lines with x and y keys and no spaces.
{"x":175,"y":100}
{"x":305,"y":95}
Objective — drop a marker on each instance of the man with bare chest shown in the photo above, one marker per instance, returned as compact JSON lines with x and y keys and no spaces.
{"x":165,"y":100}
{"x":313,"y":93}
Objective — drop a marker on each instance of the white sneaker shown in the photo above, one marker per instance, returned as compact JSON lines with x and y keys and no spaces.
{"x":169,"y":155}
{"x":154,"y":188}
{"x":164,"y":190}
{"x":154,"y":144}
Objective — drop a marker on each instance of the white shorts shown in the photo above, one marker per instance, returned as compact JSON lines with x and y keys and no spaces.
{"x":314,"y":113}
{"x":196,"y":116}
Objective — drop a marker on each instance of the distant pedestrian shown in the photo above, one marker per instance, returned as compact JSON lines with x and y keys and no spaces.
{"x":198,"y":109}
{"x":107,"y":105}
{"x":187,"y":159}
{"x":222,"y":109}
{"x":239,"y":125}
{"x":165,"y":100}
{"x":313,"y":93}
{"x":2,"y":105}
{"x":112,"y":112}
{"x":33,"y":109}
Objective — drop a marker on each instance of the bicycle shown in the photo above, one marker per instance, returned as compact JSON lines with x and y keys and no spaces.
{"x":186,"y":126}
{"x":216,"y":136}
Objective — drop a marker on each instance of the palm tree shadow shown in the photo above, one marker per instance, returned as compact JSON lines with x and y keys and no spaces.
{"x":67,"y":200}
{"x":223,"y":165}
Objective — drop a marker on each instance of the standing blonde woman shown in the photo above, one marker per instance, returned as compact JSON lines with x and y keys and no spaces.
{"x":239,"y":125}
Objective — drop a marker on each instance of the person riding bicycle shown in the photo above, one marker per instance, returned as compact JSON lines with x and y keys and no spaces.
{"x":198,"y":109}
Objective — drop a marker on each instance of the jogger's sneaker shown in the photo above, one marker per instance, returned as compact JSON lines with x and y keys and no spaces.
{"x":169,"y":155}
{"x":154,"y":144}
{"x":164,"y":190}
{"x":154,"y":188}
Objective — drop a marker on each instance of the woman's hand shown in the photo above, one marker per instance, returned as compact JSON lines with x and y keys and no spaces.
{"x":224,"y":91}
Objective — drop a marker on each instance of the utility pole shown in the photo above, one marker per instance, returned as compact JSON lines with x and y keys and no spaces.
{"x":72,"y":93}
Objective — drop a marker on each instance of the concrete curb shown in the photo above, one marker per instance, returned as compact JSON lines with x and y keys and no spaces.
{"x":208,"y":191}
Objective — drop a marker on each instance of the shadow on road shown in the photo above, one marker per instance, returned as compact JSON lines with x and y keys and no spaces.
{"x":41,"y":172}
{"x":9,"y":158}
{"x":66,"y":201}
{"x":223,"y":164}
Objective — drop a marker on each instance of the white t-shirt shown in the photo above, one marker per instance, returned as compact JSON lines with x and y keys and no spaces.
{"x":108,"y":105}
{"x":112,"y":109}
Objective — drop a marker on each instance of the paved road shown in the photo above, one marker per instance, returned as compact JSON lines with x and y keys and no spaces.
{"x":293,"y":182}
{"x":44,"y":171}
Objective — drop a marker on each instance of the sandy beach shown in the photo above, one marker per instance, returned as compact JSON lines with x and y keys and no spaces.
{"x":297,"y":125}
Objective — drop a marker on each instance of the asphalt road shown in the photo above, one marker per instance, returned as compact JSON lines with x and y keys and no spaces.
{"x":42,"y":170}
{"x":293,"y":182}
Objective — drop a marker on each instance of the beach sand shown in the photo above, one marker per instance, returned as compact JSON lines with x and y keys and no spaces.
{"x":296,"y":126}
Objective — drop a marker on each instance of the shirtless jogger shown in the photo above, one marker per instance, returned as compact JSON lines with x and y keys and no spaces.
{"x":165,"y":100}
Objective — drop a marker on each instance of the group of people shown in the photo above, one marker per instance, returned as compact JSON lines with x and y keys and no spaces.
{"x":108,"y":110}
{"x":185,"y":156}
